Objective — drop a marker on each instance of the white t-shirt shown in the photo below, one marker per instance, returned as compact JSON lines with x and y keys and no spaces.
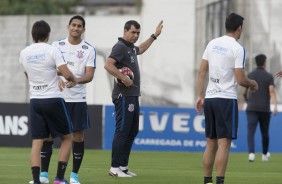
{"x":78,"y":57}
{"x":40,"y":62}
{"x":224,"y":54}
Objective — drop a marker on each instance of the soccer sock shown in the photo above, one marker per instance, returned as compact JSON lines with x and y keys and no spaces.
{"x":220,"y":180}
{"x":35,"y":174}
{"x":207,"y":179}
{"x":46,"y":153}
{"x":77,"y":153}
{"x":61,"y":169}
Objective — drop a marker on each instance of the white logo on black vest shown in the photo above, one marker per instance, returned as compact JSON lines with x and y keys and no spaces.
{"x":131,"y":107}
{"x":132,"y":59}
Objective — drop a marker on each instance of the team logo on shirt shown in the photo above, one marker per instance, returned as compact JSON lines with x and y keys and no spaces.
{"x":80,"y":54}
{"x":130,"y":107}
{"x":84,"y":47}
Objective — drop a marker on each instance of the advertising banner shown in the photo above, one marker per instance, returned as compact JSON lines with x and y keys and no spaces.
{"x":181,"y":129}
{"x":14,"y":126}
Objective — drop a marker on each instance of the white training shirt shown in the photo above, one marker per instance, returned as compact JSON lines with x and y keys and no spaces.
{"x":224,"y":54}
{"x":40,"y":62}
{"x":78,"y":57}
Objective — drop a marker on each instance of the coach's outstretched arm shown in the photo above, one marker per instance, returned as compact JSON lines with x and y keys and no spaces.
{"x":278,"y":74}
{"x":146,"y":44}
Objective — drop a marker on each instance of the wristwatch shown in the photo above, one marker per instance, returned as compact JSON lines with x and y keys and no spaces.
{"x":153,"y":36}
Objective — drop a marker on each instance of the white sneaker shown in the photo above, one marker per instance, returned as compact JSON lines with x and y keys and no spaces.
{"x":128,"y":172}
{"x":252,"y":157}
{"x":43,"y":177}
{"x":266,"y":157}
{"x":117,"y":172}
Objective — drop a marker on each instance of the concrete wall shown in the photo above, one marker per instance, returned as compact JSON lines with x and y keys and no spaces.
{"x":170,"y":65}
{"x":166,"y":68}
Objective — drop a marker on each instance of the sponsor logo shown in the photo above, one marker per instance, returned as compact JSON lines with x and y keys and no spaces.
{"x":84,"y":47}
{"x":220,"y":50}
{"x":71,"y":63}
{"x":214,"y":80}
{"x":132,"y":59}
{"x":13,"y":125}
{"x":213,"y":91}
{"x":62,"y":43}
{"x":181,"y":122}
{"x":37,"y":57}
{"x":173,"y":142}
{"x":37,"y":88}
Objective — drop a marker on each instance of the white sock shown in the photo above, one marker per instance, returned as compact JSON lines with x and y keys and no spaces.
{"x":124,"y":168}
{"x":114,"y":169}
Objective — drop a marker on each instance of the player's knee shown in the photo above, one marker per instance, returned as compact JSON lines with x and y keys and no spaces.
{"x":78,"y":136}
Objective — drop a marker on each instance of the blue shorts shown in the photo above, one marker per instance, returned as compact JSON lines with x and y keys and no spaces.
{"x":78,"y":113}
{"x":48,"y":116}
{"x":221,"y":117}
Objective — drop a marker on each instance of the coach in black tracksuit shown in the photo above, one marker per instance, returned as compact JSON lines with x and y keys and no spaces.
{"x":258,"y":106}
{"x":125,"y":96}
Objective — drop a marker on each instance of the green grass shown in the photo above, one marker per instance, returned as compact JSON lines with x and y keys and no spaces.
{"x":151,"y":167}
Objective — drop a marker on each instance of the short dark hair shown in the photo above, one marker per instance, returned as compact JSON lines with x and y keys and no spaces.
{"x":260,"y":59}
{"x":79,"y":18}
{"x":40,"y":31}
{"x":129,"y":23}
{"x":232,"y":22}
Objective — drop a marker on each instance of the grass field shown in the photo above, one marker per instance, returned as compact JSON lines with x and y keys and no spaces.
{"x":151,"y":167}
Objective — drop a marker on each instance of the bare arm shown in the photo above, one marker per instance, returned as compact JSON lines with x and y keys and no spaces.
{"x":243,"y":80}
{"x":278,"y":74}
{"x":65,"y":72}
{"x":87,"y":77}
{"x":146,"y":44}
{"x":201,"y":85}
{"x":273,"y":96}
{"x":245,"y":94}
{"x":112,"y":69}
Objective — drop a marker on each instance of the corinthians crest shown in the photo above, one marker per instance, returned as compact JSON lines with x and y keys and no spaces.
{"x":80,"y":54}
{"x":130,"y":107}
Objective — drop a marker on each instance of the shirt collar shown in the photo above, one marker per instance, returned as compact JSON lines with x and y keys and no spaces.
{"x":126,"y":42}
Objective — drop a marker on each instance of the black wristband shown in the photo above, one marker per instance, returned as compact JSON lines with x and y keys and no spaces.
{"x":153,"y":36}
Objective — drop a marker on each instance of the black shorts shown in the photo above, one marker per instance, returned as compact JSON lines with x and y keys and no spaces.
{"x":49,"y":116}
{"x":78,"y":113}
{"x":221,"y":117}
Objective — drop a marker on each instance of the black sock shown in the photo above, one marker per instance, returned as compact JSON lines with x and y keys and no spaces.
{"x":35,"y":174}
{"x":46,"y":153}
{"x":220,"y":180}
{"x":77,"y":153}
{"x":207,"y":179}
{"x":61,"y":169}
